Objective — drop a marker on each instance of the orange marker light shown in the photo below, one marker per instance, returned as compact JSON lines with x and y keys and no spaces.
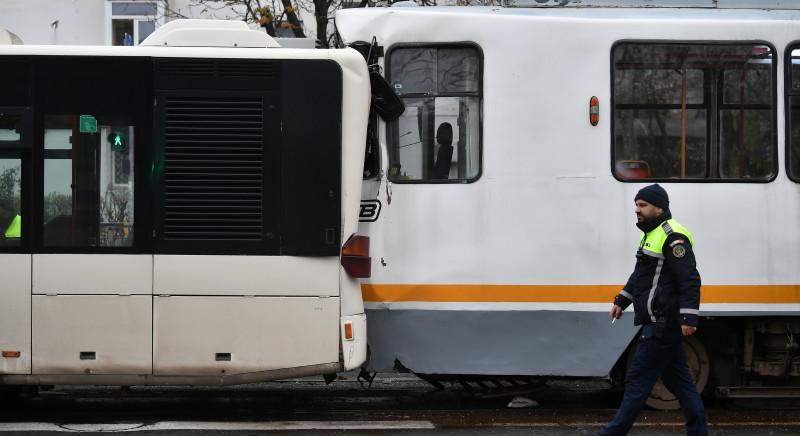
{"x":348,"y":331}
{"x":594,"y":110}
{"x":11,"y":354}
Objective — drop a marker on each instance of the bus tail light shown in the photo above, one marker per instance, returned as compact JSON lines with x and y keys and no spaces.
{"x":355,"y":256}
{"x":11,"y":354}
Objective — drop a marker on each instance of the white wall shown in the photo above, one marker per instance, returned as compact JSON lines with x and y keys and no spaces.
{"x":84,"y":22}
{"x":80,"y":22}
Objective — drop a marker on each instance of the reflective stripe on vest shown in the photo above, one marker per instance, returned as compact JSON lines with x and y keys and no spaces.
{"x":14,"y":230}
{"x":653,"y":243}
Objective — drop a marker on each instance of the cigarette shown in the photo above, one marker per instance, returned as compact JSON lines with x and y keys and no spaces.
{"x":613,"y":320}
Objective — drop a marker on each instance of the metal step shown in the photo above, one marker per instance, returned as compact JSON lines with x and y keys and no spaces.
{"x":758,"y":391}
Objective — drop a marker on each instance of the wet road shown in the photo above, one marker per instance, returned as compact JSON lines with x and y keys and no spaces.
{"x":393,"y":405}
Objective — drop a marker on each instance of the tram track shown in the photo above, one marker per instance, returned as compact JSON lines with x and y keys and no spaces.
{"x":398,"y":401}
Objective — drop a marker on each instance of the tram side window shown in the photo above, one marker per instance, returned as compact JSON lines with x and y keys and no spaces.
{"x":88,"y":182}
{"x":793,"y":100}
{"x":10,"y":206}
{"x":437,"y":139}
{"x":694,"y":111}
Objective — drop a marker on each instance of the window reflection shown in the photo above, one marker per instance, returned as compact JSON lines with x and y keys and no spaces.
{"x":10,"y":127}
{"x":438,"y":136}
{"x":88,"y":183}
{"x":693,"y":111}
{"x":794,"y":117}
{"x":10,"y":212}
{"x":794,"y":149}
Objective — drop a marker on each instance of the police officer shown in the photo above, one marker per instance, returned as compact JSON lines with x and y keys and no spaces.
{"x":665,"y":291}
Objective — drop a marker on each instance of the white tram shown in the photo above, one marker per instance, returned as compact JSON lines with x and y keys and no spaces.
{"x":186,"y":210}
{"x":500,"y":204}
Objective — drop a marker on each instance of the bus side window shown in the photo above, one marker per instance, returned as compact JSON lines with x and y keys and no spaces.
{"x":87,"y":142}
{"x":441,"y":89}
{"x":15,"y":144}
{"x":88,"y":183}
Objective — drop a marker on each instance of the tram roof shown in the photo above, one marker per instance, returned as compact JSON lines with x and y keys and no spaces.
{"x":597,"y":12}
{"x":705,"y":4}
{"x":176,"y":52}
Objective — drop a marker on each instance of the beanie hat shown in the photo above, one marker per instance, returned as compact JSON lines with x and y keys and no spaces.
{"x":655,"y":195}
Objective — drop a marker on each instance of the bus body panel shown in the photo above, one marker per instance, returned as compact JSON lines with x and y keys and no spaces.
{"x":15,"y":312}
{"x":92,"y":334}
{"x":355,"y":93}
{"x":246,"y":275}
{"x":93,"y":274}
{"x":354,"y":352}
{"x":235,"y":335}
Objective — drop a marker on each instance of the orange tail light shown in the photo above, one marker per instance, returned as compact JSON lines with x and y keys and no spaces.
{"x":594,"y":111}
{"x":348,"y":331}
{"x":355,"y":256}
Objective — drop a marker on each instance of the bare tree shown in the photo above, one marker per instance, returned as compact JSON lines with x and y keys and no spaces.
{"x":284,"y":14}
{"x":269,"y":14}
{"x":9,"y":186}
{"x":321,"y":11}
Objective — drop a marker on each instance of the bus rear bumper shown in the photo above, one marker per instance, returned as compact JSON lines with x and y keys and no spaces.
{"x":354,"y":348}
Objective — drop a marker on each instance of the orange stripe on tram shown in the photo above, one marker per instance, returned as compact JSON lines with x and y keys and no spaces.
{"x":758,"y":294}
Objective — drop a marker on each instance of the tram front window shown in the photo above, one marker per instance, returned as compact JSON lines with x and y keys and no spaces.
{"x":88,"y":183}
{"x":437,"y":138}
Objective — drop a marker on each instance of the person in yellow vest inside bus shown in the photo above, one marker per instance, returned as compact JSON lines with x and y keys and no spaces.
{"x":10,"y":223}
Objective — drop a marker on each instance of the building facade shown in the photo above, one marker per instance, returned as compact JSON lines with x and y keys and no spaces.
{"x":99,"y":22}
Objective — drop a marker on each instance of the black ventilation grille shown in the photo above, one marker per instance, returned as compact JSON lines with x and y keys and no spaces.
{"x":192,"y":68}
{"x":172,"y":68}
{"x":213,"y":168}
{"x":263,"y":70}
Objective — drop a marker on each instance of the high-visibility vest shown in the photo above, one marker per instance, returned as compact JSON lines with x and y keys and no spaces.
{"x":652,"y":243}
{"x":14,"y":230}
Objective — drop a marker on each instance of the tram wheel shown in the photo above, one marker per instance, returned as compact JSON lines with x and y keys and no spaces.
{"x":697,"y":359}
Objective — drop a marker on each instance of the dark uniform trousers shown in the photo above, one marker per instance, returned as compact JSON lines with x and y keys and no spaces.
{"x":656,"y":357}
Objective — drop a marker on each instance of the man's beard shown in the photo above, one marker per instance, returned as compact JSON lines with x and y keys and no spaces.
{"x":648,"y":224}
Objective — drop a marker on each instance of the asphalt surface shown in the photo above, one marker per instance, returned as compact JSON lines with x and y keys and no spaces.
{"x":394,"y":404}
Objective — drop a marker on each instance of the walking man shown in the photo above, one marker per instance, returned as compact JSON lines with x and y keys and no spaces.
{"x":665,"y":291}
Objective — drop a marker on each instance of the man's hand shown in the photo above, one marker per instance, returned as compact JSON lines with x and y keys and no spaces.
{"x":688,"y":330}
{"x":616,"y":312}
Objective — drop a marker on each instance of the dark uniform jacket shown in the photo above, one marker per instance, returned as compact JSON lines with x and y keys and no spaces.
{"x":665,"y":284}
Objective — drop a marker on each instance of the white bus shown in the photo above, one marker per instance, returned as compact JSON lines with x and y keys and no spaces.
{"x":181,"y":212}
{"x":500,"y":204}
